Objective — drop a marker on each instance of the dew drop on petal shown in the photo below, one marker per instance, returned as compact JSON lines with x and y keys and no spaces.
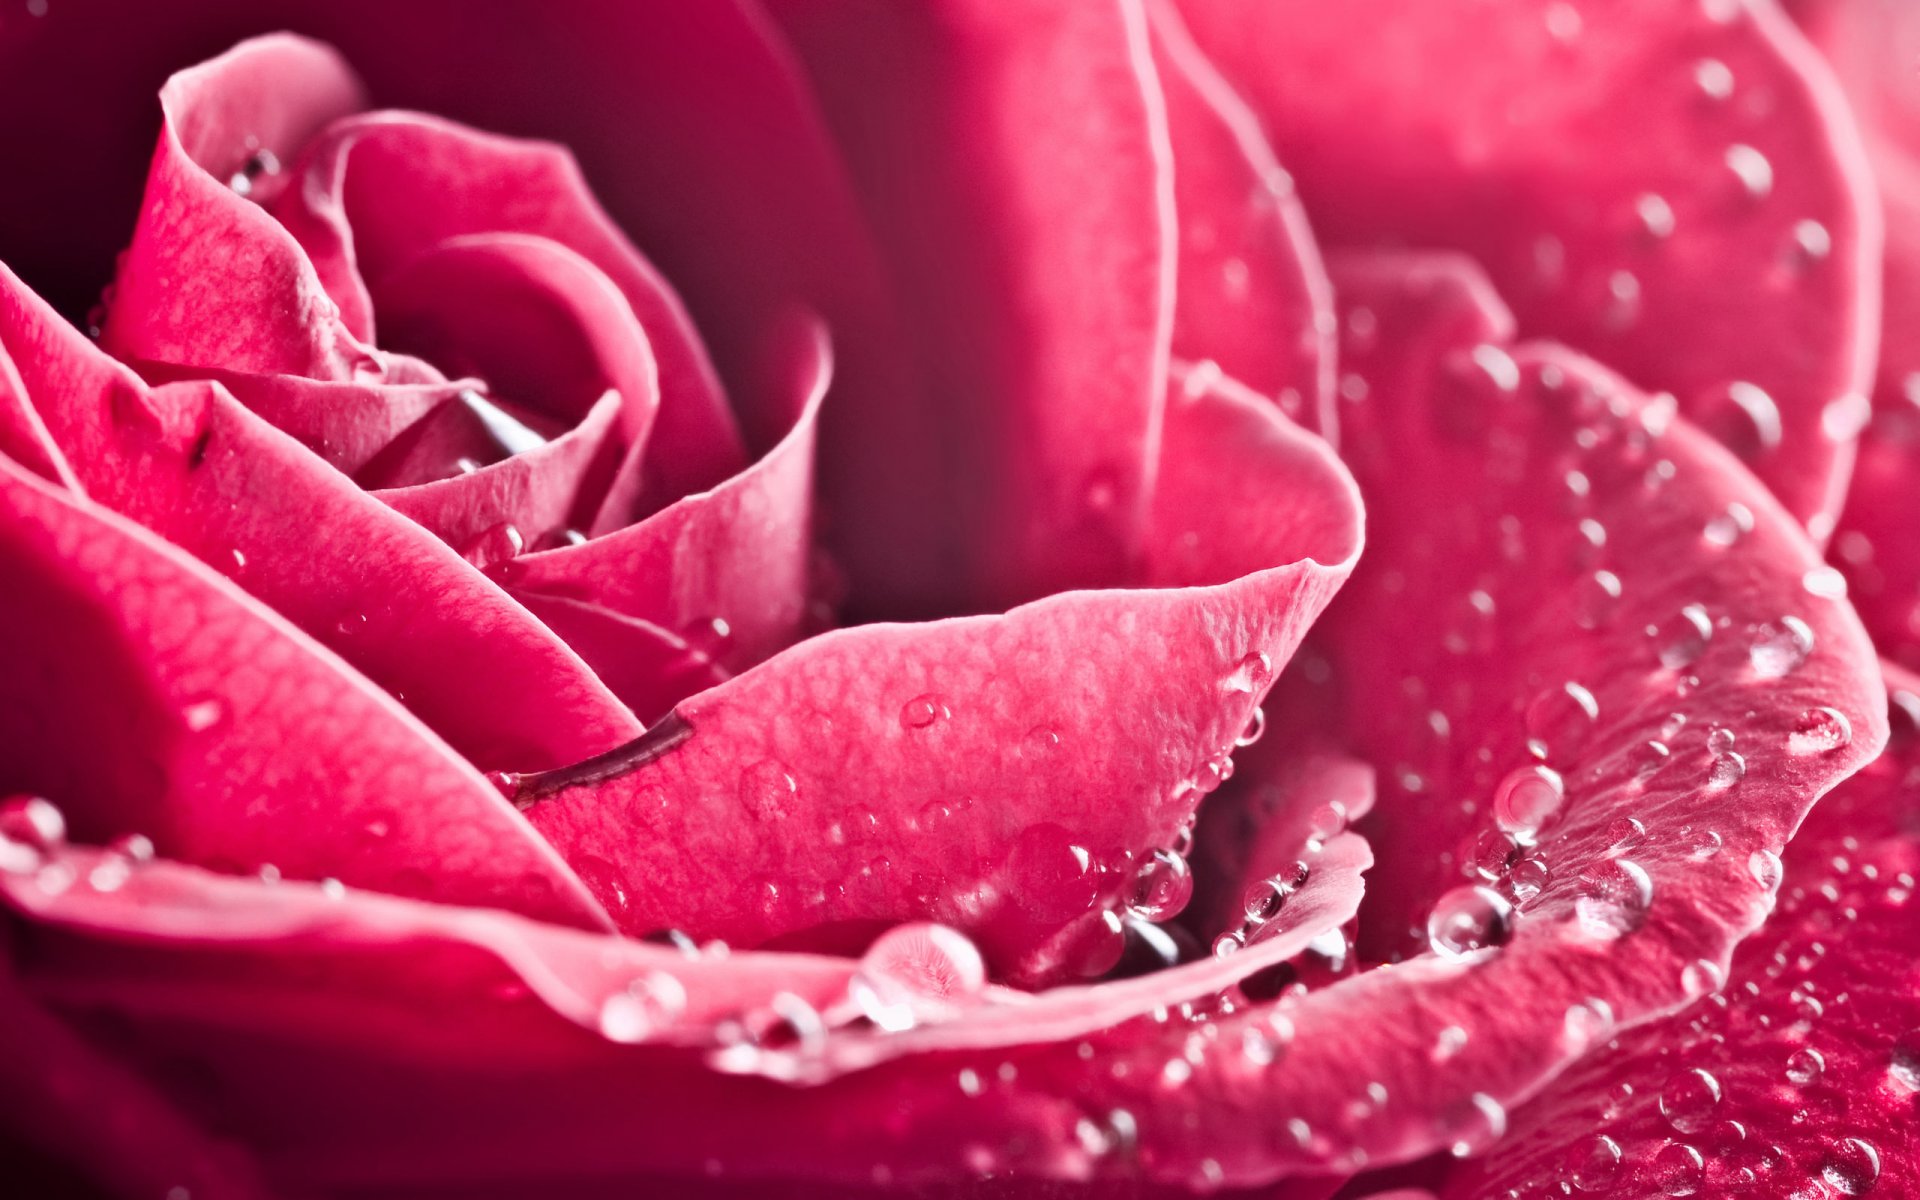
{"x":1592,"y":1166}
{"x":1713,"y":78}
{"x":912,"y":969}
{"x":1903,"y":1061}
{"x":1527,"y":798}
{"x":1161,"y":887}
{"x":1724,"y":770}
{"x":1467,"y":919}
{"x":1852,"y":1167}
{"x":1779,"y":647}
{"x":634,"y":1014}
{"x":1681,"y":639}
{"x":1766,"y":869}
{"x":1820,"y":731}
{"x":923,"y":711}
{"x":1615,"y":894}
{"x":1677,"y":1170}
{"x":1729,"y":525}
{"x":1702,"y":977}
{"x":767,"y":790}
{"x":1527,"y":878}
{"x":1263,"y":901}
{"x":1752,"y":169}
{"x":33,"y":824}
{"x":1805,"y":1066}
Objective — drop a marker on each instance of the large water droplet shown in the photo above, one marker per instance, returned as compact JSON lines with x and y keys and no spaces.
{"x":1526,"y":799}
{"x":1467,"y":919}
{"x":913,"y":972}
{"x":1250,"y":674}
{"x":1560,"y":718}
{"x":1263,"y":901}
{"x":1820,"y":731}
{"x":1852,"y":1167}
{"x":1477,"y":1123}
{"x":1752,"y":169}
{"x":1681,"y":639}
{"x":1677,"y":1170}
{"x":1766,"y":869}
{"x":1049,"y":875}
{"x":1593,"y":1165}
{"x":1805,"y":1066}
{"x":634,"y":1014}
{"x":1161,"y":887}
{"x":1714,"y":78}
{"x":1903,"y":1061}
{"x":1779,"y":647}
{"x":1615,"y":894}
{"x":923,"y":711}
{"x":1724,"y":770}
{"x":767,"y":790}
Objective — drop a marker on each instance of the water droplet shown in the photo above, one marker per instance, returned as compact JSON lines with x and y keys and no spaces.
{"x":1594,"y":1165}
{"x":1467,"y":919}
{"x":1903,"y":1062}
{"x":767,"y":790}
{"x":1752,"y":169}
{"x":1327,"y":821}
{"x":1263,"y":901}
{"x":1560,"y":718}
{"x":1161,"y":887}
{"x":30,"y":829}
{"x":1825,"y":582}
{"x":1527,"y":798}
{"x":646,"y":1004}
{"x":1648,"y":757}
{"x":1812,"y":240}
{"x":912,"y":972}
{"x":1624,"y":833}
{"x":1492,"y":854}
{"x":1766,"y":869}
{"x":1039,"y":744}
{"x":1677,"y":1170}
{"x":1689,"y":1099}
{"x":1681,"y":639}
{"x":1050,"y":876}
{"x":1228,"y":944}
{"x":1527,"y":878}
{"x":923,"y":711}
{"x":607,"y":883}
{"x":1744,"y":418}
{"x":1471,"y":1126}
{"x":1729,"y":526}
{"x":495,"y":545}
{"x":1615,"y":894}
{"x":1820,"y":731}
{"x":1596,"y":599}
{"x":1852,"y":1167}
{"x":1714,"y":78}
{"x":1256,"y":726}
{"x":1725,"y":770}
{"x":1805,"y":1066}
{"x":1656,"y":215}
{"x":1250,"y":674}
{"x":1702,"y":977}
{"x":1779,"y":647}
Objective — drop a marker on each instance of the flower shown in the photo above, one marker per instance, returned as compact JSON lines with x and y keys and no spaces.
{"x":972,"y":597}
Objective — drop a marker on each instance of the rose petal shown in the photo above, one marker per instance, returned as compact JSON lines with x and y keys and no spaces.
{"x":649,"y":668}
{"x":386,"y":191}
{"x":210,"y":280}
{"x":1642,"y":179}
{"x":728,"y":566}
{"x":23,"y":435}
{"x":1032,"y":243}
{"x":213,"y":710}
{"x":1808,"y":1046}
{"x":201,"y":471}
{"x":997,"y":774}
{"x":1253,"y":294}
{"x":67,"y":1100}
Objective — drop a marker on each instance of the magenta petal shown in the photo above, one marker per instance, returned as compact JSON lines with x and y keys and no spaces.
{"x":210,"y":280}
{"x":69,"y":1100}
{"x":199,"y":470}
{"x":1674,"y":188}
{"x":727,"y":568}
{"x":1797,"y":1068}
{"x":521,"y":500}
{"x":218,"y":711}
{"x":1032,"y":242}
{"x":1253,"y":295}
{"x":998,"y":774}
{"x":386,"y":189}
{"x":23,"y":434}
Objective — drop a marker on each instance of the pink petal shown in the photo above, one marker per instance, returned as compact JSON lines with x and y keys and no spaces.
{"x":725,"y":568}
{"x":1643,"y":179}
{"x":1810,"y":1047}
{"x":999,"y":774}
{"x":385,"y":190}
{"x":1032,"y":244}
{"x":199,"y":470}
{"x":649,"y":668}
{"x":1253,"y":295}
{"x":210,"y":280}
{"x":149,"y":695}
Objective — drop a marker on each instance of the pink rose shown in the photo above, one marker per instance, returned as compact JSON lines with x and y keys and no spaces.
{"x":769,"y":640}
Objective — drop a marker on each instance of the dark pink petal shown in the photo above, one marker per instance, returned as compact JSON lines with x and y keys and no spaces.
{"x":530,"y":497}
{"x":1253,"y":295}
{"x":68,"y":1101}
{"x":999,"y":774}
{"x":1875,"y":550}
{"x":727,"y":568}
{"x":151,"y":696}
{"x":210,"y":279}
{"x":23,"y":435}
{"x":1018,"y":179}
{"x":360,"y":996}
{"x":649,"y":668}
{"x":1797,"y":1075}
{"x":384,"y":192}
{"x":192,"y":465}
{"x":345,"y":423}
{"x":1674,"y":188}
